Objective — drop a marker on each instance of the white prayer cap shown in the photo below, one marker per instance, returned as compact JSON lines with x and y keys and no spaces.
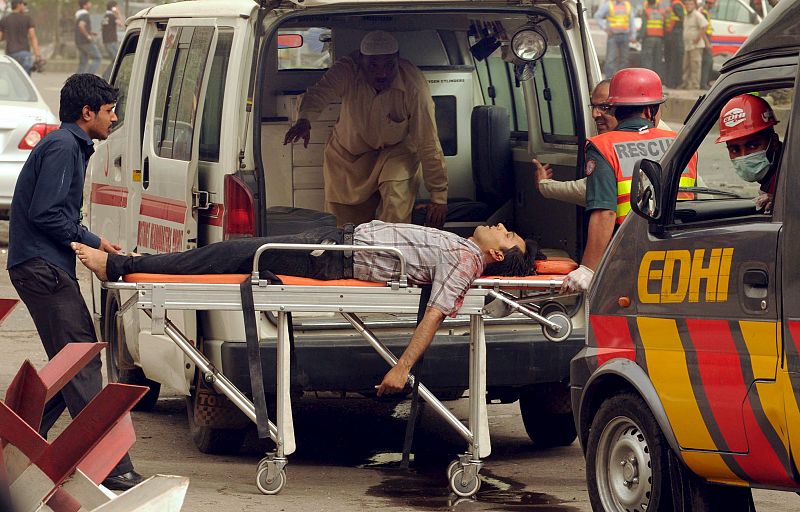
{"x":379,"y":42}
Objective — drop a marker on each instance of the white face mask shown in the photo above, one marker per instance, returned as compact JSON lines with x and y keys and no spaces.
{"x":752,"y":167}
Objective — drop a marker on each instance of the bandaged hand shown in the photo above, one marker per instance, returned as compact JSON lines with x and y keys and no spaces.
{"x":578,"y":280}
{"x":764,"y":201}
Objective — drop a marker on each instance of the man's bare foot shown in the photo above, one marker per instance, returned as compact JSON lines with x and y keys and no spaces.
{"x":93,"y":259}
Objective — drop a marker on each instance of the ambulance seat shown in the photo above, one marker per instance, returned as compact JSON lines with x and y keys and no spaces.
{"x":492,"y":172}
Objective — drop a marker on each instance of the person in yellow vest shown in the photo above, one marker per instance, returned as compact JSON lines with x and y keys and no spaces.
{"x":652,"y":37}
{"x":385,"y":134}
{"x":707,"y":65}
{"x":673,"y":44}
{"x":636,"y":96}
{"x":616,"y":18}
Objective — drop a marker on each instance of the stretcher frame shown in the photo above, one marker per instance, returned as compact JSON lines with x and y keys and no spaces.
{"x":157,"y":298}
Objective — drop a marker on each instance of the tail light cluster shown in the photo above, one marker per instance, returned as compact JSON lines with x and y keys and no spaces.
{"x":35,"y":134}
{"x":239,"y":218}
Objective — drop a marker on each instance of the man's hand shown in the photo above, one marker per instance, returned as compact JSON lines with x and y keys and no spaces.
{"x":436,"y":215}
{"x":108,"y":247}
{"x":300,"y":130}
{"x":394,"y":381}
{"x":578,"y":280}
{"x":543,"y":172}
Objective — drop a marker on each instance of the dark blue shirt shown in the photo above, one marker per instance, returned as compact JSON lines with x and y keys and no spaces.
{"x":46,"y":207}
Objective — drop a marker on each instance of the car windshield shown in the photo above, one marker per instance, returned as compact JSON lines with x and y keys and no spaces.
{"x":14,"y":85}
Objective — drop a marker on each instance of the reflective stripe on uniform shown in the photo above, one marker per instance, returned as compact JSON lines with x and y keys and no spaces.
{"x":619,"y":22}
{"x":655,"y":22}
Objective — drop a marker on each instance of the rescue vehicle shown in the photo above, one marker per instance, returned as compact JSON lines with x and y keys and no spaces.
{"x":686,"y":394}
{"x":208,"y":91}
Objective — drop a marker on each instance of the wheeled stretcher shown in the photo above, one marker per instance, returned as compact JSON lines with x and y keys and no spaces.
{"x":156,"y":294}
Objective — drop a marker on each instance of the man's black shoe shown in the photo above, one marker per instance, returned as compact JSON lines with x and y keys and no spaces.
{"x":124,"y":481}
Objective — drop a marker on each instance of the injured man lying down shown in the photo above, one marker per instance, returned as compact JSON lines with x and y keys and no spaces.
{"x":447,"y":262}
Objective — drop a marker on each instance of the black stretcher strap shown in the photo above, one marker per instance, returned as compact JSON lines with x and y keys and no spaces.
{"x":254,"y":358}
{"x":416,"y":405}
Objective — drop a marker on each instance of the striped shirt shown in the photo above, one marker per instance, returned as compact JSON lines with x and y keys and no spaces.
{"x":445,"y":260}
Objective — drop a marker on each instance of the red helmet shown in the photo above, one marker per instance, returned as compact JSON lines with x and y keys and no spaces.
{"x":744,"y":115}
{"x":635,"y":86}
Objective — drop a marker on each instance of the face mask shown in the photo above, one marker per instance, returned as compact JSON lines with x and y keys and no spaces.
{"x":752,"y":167}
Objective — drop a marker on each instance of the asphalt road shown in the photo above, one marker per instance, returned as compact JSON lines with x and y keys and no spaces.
{"x":347,"y":450}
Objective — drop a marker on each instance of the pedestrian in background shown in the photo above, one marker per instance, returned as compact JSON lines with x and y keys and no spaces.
{"x":19,"y":32}
{"x":707,"y":65}
{"x":616,"y":18}
{"x":673,"y":44}
{"x":88,"y":54}
{"x":111,"y":21}
{"x":652,"y":37}
{"x":694,"y":42}
{"x":45,"y":219}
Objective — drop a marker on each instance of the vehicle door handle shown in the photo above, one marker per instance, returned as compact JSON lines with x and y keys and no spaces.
{"x":145,"y":173}
{"x":756,"y":284}
{"x":118,"y":161}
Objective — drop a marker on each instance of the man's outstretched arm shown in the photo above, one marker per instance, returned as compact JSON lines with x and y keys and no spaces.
{"x":395,"y":379}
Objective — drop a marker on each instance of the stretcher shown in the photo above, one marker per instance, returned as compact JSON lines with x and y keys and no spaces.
{"x":157,"y":294}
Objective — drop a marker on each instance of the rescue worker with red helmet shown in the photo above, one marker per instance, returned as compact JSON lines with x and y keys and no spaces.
{"x":746,"y":127}
{"x":636,"y":96}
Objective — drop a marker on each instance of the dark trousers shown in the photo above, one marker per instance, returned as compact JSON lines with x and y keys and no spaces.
{"x":653,"y":54}
{"x":616,"y":53}
{"x":706,"y":68}
{"x":673,"y":58}
{"x":236,"y":257}
{"x":59,"y":312}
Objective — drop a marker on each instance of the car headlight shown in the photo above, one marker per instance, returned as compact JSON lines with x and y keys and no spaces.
{"x":528,"y":44}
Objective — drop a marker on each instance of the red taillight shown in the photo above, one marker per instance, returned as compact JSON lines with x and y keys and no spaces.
{"x":239,"y":217}
{"x":35,"y":134}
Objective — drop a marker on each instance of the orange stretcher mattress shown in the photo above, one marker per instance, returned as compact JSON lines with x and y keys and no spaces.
{"x":550,"y":268}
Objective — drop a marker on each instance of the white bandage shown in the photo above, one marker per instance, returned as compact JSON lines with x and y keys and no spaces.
{"x":379,"y":42}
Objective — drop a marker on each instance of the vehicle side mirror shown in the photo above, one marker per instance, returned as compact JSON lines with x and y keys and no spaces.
{"x":289,"y":41}
{"x":646,"y":190}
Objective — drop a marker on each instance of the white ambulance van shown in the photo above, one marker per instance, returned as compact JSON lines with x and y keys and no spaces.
{"x":208,"y":91}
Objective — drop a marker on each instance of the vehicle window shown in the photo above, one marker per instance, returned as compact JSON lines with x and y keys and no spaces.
{"x":738,"y":13}
{"x":719,"y":11}
{"x":501,"y":88}
{"x":14,"y":86}
{"x":315,"y":53}
{"x":122,"y":75}
{"x":179,"y":84}
{"x":211,"y":123}
{"x":552,"y":92}
{"x":737,"y":160}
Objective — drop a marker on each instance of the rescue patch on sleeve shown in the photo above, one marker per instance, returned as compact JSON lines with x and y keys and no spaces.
{"x":590,"y":167}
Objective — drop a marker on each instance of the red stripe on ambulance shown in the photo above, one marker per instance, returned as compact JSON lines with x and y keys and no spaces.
{"x":613,"y":338}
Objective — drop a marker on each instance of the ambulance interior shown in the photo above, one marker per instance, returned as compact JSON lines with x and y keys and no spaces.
{"x":483,"y":106}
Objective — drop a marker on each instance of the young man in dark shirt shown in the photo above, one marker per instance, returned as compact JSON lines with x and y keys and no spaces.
{"x":108,"y":29}
{"x":88,"y":53}
{"x":45,"y":219}
{"x":18,"y":31}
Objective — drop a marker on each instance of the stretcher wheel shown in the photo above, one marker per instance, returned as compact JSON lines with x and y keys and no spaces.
{"x":563,"y":321}
{"x":552,"y":307}
{"x":466,"y":489}
{"x":273,"y":487}
{"x":452,"y":467}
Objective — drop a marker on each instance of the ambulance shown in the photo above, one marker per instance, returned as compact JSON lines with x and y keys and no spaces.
{"x":208,"y":90}
{"x":687,"y":393}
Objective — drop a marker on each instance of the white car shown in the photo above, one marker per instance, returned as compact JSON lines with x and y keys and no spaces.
{"x":731,"y":22}
{"x":25,"y":119}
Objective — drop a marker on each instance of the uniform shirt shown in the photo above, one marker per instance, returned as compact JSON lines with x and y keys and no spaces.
{"x":109,"y":27}
{"x":602,"y":18}
{"x":601,"y":185}
{"x":445,"y":260}
{"x":15,"y":29}
{"x":371,"y":121}
{"x":46,"y":210}
{"x":82,"y":15}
